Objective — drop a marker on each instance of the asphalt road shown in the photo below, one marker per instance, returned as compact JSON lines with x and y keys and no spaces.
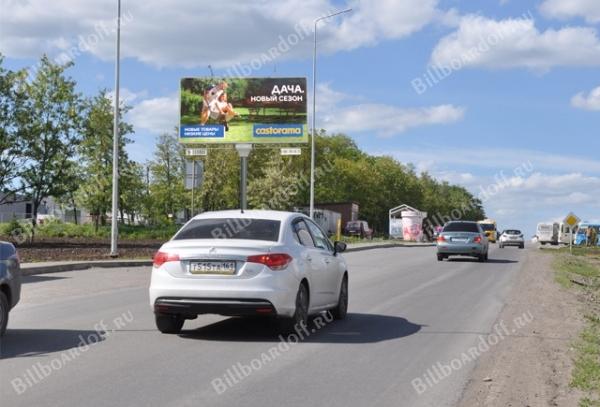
{"x":87,"y":338}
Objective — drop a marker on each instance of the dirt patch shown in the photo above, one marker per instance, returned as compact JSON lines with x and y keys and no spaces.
{"x":533,"y":367}
{"x":64,"y":249}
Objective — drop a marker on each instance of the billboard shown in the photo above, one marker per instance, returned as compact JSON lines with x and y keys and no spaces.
{"x":243,"y":110}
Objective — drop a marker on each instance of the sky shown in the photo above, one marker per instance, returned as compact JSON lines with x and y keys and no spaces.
{"x":500,"y":96}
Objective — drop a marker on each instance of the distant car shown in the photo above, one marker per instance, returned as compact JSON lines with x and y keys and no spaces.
{"x":358,"y":228}
{"x":512,"y":237}
{"x":10,"y":282}
{"x":462,"y":238}
{"x":489,"y":228}
{"x":255,"y":263}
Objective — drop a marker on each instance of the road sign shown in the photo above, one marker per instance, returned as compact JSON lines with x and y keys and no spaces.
{"x":291,"y":151}
{"x":571,"y":219}
{"x":195,"y":152}
{"x":194,"y":173}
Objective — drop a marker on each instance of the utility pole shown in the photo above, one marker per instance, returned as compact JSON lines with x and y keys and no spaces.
{"x":116,"y":136}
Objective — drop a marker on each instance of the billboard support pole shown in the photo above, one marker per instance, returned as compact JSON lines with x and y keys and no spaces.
{"x":243,"y":151}
{"x":193,"y":186}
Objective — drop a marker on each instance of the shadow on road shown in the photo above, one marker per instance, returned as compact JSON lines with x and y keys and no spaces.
{"x":356,"y":328}
{"x":474,"y":260}
{"x":35,"y":342}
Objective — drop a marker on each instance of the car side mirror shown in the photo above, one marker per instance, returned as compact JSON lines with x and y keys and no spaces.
{"x":339,"y":247}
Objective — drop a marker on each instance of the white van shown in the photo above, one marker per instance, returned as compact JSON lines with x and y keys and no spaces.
{"x":547,"y":233}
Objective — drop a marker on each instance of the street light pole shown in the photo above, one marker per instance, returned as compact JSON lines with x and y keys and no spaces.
{"x":314,"y":113}
{"x":115,"y":170}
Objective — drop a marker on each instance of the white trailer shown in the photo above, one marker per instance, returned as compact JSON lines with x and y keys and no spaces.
{"x":547,"y":233}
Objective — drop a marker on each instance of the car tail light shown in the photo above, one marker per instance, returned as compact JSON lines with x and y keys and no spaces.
{"x":161,"y":258}
{"x":477,"y":239}
{"x":275,"y":261}
{"x":441,"y":238}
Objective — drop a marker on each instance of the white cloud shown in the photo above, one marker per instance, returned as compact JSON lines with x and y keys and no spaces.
{"x":510,"y":43}
{"x":339,"y":112}
{"x":386,"y":121}
{"x":563,"y":9}
{"x":127,"y":96}
{"x":193,"y":33}
{"x":156,"y":115}
{"x":590,"y":101}
{"x":384,"y":19}
{"x":433,"y":158}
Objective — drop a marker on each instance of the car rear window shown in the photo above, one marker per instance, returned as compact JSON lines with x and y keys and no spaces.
{"x":230,"y":228}
{"x":353,"y":225}
{"x":512,"y":232}
{"x":461,"y":227}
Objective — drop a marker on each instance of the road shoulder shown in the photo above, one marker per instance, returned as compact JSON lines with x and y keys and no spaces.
{"x":533,"y":366}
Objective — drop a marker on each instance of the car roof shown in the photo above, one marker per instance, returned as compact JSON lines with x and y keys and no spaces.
{"x":251,"y":214}
{"x":461,"y":221}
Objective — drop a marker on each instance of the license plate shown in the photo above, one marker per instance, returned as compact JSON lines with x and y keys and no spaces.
{"x":212,"y":267}
{"x":460,"y":240}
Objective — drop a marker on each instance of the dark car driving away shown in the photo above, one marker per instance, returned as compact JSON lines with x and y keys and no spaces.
{"x":462,"y":238}
{"x":358,"y":228}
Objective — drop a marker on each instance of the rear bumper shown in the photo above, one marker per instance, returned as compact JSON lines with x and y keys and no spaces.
{"x":512,"y":242}
{"x":227,"y":307}
{"x":204,"y":294}
{"x":461,"y":250}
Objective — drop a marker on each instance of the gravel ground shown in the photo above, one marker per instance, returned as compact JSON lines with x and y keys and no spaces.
{"x":531,"y":367}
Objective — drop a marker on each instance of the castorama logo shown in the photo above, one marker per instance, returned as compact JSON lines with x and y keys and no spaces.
{"x":278,"y":130}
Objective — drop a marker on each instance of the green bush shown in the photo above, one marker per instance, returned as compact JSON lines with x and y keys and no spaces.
{"x":190,"y":102}
{"x":56,"y":229}
{"x":8,"y":229}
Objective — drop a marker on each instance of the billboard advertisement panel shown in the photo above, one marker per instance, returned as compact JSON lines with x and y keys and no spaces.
{"x":243,"y":110}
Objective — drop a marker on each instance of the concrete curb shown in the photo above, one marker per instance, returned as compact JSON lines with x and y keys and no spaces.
{"x":30,"y":269}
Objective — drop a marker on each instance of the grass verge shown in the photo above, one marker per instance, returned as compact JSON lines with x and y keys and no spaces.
{"x":582,"y":272}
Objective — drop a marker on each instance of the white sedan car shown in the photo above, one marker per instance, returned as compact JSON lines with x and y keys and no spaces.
{"x":276,"y":264}
{"x":512,"y":237}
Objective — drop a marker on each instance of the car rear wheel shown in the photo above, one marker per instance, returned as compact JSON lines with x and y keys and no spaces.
{"x":482,"y":258}
{"x":341,"y":310}
{"x":522,"y":246}
{"x":169,"y":324}
{"x":300,"y":318}
{"x":441,"y":257}
{"x":3,"y":313}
